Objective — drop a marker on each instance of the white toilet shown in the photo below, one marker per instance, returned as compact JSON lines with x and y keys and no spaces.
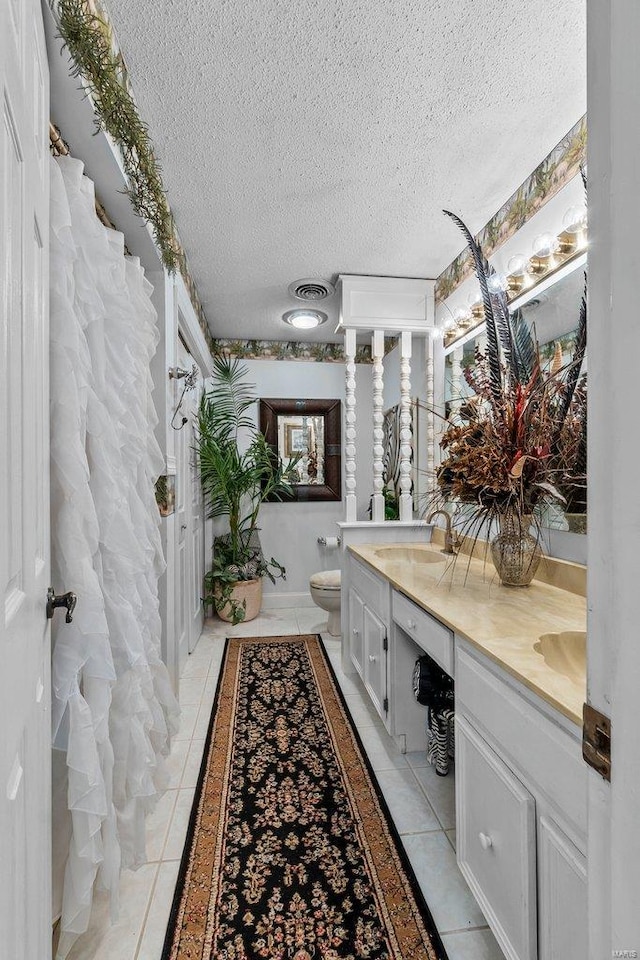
{"x":325,"y":592}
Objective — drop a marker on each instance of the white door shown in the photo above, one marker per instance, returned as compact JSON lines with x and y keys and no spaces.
{"x":613,"y":646}
{"x":25,"y":743}
{"x":190,"y":519}
{"x":183,"y":514}
{"x":196,"y":609}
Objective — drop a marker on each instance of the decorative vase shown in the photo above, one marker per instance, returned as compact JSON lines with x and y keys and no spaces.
{"x":249,"y":590}
{"x":577,"y":522}
{"x":514,"y":551}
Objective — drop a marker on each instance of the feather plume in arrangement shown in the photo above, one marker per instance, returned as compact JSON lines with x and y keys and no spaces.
{"x":520,"y":441}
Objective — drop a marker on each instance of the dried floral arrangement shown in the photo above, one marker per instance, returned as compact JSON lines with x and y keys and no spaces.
{"x":519,"y":442}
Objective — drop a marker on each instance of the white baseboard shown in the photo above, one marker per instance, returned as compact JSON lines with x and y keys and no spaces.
{"x":277,"y":601}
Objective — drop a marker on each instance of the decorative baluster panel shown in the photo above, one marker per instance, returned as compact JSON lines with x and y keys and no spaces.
{"x":456,"y":377}
{"x":406,"y":505}
{"x":350,"y":426}
{"x":377,"y":350}
{"x":430,"y":432}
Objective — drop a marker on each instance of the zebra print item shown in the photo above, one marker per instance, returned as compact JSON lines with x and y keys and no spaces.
{"x":440,"y":742}
{"x":391,"y":446}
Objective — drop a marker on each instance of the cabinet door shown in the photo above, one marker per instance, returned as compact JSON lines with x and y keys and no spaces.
{"x":356,"y":626}
{"x":375,"y":660}
{"x":496,"y":842}
{"x":563,"y":922}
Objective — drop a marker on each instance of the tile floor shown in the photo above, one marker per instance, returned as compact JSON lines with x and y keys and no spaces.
{"x":421,"y":804}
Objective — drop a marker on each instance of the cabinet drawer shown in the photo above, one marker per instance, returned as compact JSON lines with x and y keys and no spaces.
{"x":496,"y":842}
{"x":373,"y":590}
{"x":434,"y":638}
{"x":531,"y":740}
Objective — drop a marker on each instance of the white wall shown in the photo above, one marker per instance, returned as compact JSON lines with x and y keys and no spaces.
{"x":391,"y":364}
{"x":289,"y":531}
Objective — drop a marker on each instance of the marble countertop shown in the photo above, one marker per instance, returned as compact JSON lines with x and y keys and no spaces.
{"x":504,"y":623}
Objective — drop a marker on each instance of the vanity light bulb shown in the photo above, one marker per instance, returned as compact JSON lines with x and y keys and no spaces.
{"x":496,"y":283}
{"x":544,"y":245}
{"x":449,"y":324}
{"x":574,"y":220}
{"x":517,"y":266}
{"x":460,"y":315}
{"x":474,"y":299}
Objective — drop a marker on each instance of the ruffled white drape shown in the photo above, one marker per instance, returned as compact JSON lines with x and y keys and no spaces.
{"x":113,"y":707}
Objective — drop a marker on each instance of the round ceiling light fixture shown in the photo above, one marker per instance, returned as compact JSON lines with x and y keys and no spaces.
{"x":304,"y":319}
{"x":311,"y":288}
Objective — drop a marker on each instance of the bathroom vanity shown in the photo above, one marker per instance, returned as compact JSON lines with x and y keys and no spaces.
{"x":518,"y":660}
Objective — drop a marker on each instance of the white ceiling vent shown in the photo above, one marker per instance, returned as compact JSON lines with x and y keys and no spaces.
{"x":311,"y":289}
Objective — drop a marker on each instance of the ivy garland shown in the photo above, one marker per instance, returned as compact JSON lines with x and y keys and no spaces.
{"x":88,"y":39}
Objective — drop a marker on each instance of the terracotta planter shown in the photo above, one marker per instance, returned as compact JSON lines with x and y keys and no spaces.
{"x":248,"y":590}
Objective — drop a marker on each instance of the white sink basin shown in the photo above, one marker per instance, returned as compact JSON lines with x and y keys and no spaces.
{"x":565,"y":653}
{"x":403,"y":554}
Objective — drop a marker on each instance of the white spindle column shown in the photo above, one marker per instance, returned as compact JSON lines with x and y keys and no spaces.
{"x":377,"y":350}
{"x":406,"y":504}
{"x":351,"y":507}
{"x":430,"y":432}
{"x":456,"y":377}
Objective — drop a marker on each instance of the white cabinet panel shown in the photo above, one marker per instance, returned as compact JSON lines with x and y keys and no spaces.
{"x":563,"y":923}
{"x":374,"y":590}
{"x":547,"y":756}
{"x":356,"y":627}
{"x":375,"y":660}
{"x":496,"y":842}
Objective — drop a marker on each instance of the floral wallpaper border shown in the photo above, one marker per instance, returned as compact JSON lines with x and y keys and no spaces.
{"x":560,"y":166}
{"x":293,"y":350}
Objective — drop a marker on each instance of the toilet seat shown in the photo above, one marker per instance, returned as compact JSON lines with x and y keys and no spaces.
{"x":328,"y":580}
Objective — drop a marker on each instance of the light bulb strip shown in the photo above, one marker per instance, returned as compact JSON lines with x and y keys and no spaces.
{"x":566,"y":246}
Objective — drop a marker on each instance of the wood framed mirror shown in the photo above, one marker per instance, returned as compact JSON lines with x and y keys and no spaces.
{"x":309,"y":430}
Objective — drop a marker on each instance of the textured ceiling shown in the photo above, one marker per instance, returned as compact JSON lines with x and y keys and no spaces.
{"x":304,"y":138}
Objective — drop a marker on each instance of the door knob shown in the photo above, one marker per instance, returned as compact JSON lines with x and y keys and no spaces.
{"x":66,"y":600}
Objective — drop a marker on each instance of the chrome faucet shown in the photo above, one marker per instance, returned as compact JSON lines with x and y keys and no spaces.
{"x":451,"y":540}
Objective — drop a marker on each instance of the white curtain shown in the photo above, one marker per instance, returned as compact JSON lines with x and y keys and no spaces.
{"x":113,"y":706}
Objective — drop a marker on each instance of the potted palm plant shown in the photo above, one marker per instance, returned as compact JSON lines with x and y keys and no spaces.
{"x":238,"y":472}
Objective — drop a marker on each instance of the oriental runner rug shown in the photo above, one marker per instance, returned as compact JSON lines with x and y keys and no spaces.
{"x":291,"y":853}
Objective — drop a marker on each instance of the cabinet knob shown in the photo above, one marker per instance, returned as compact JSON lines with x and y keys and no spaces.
{"x":355,"y":631}
{"x":411,"y":624}
{"x":372,"y":658}
{"x":485,"y":840}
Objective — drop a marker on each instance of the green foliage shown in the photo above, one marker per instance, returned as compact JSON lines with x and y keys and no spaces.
{"x":237,"y":477}
{"x":88,"y":39}
{"x":391,"y":504}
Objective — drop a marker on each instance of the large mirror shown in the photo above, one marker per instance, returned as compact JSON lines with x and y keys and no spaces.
{"x":305,"y":434}
{"x":552,"y":311}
